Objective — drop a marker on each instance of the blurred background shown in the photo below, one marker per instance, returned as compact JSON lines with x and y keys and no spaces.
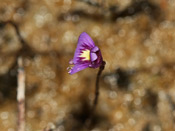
{"x":137,"y":41}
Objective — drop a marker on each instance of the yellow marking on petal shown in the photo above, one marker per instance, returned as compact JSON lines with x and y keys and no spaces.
{"x":85,"y":54}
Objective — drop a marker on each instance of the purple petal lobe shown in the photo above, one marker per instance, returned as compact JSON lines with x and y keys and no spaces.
{"x":78,"y":68}
{"x":84,"y":43}
{"x":93,"y":56}
{"x":95,"y":49}
{"x":71,"y":62}
{"x":85,"y":39}
{"x":96,"y":58}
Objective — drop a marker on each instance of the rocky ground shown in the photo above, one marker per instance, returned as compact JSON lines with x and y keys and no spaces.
{"x":137,"y":41}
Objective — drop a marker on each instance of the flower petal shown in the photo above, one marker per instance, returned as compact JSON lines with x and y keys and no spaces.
{"x":95,"y":49}
{"x":71,"y":62}
{"x":93,"y":56}
{"x":84,"y":38}
{"x":84,"y":43}
{"x":96,"y":61}
{"x":78,"y":68}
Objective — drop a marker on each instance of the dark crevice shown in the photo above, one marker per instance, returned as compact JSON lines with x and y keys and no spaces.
{"x":121,"y":78}
{"x":136,"y":7}
{"x":150,"y":101}
{"x":78,"y":118}
{"x":146,"y":127}
{"x":172,"y":103}
{"x":8,"y":84}
{"x":140,"y":6}
{"x":91,"y":2}
{"x":25,"y":50}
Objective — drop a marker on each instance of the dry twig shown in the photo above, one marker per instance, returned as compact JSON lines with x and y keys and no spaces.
{"x":21,"y":96}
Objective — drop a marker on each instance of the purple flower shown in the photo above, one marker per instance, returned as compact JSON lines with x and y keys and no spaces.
{"x":86,"y":55}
